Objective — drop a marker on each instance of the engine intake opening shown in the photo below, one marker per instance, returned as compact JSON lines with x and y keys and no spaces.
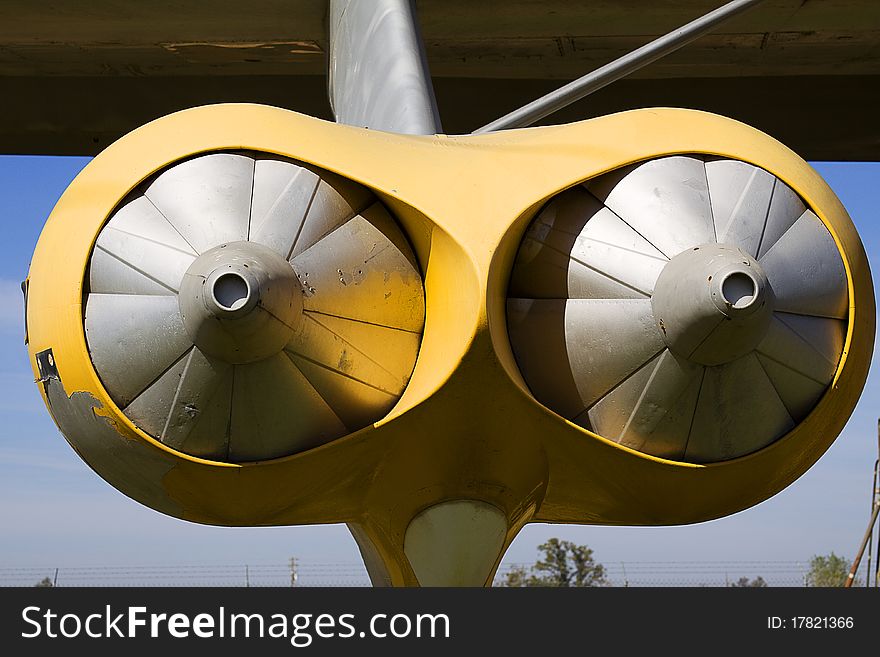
{"x":739,"y":290}
{"x":230,"y":291}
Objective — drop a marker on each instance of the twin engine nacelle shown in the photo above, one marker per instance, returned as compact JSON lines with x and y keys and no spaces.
{"x":242,"y":315}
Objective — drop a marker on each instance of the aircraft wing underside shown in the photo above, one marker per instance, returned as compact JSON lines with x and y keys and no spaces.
{"x":73,"y":81}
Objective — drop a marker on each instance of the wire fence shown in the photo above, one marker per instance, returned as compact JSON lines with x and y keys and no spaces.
{"x":350,"y":574}
{"x":694,"y":573}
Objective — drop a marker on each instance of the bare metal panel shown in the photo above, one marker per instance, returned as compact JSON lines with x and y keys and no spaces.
{"x":740,"y":195}
{"x":207,"y":199}
{"x":276,"y":411}
{"x":357,"y":273}
{"x":133,"y":340}
{"x":652,"y":411}
{"x":806,"y":272}
{"x":739,"y":412}
{"x":665,"y":200}
{"x":283,"y":193}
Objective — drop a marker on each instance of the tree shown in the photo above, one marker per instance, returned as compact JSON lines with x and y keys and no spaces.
{"x":828,"y":570}
{"x":745,"y":582}
{"x":565,"y":564}
{"x":44,"y":583}
{"x":517,"y":576}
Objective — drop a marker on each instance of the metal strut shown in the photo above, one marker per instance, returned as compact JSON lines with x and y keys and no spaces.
{"x":378,"y":76}
{"x":639,"y":58}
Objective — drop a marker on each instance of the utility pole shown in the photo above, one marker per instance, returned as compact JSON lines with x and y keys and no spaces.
{"x":875,"y":510}
{"x":876,"y":498}
{"x":293,"y":573}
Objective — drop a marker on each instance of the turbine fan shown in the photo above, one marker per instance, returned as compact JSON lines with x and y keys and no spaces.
{"x":688,"y":307}
{"x":243,"y":307}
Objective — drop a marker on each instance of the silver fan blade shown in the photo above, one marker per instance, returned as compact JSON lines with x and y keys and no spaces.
{"x":607,"y":253}
{"x":110,"y":275}
{"x":541,"y":272}
{"x":823,"y":334}
{"x":652,"y":410}
{"x":607,"y":341}
{"x":806,"y":272}
{"x":576,"y":351}
{"x":378,"y":356}
{"x":786,"y":207}
{"x":738,"y":412}
{"x":133,"y":340}
{"x":139,"y":237}
{"x":335,"y":202}
{"x":283,"y":193}
{"x":785,"y":346}
{"x":357,"y":272}
{"x":141,"y":219}
{"x":188,"y":407}
{"x":798,"y":392}
{"x":740,"y":196}
{"x":537,"y":336}
{"x":276,"y":411}
{"x":207,"y":199}
{"x":608,"y":245}
{"x":355,"y":403}
{"x":665,"y":200}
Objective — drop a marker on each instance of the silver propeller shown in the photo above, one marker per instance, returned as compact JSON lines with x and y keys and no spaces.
{"x":171,"y":265}
{"x":617,"y":325}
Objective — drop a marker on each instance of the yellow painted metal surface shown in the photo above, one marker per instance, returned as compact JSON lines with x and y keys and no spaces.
{"x":467,"y":426}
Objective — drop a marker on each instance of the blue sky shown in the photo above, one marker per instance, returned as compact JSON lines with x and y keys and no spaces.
{"x":57,"y":512}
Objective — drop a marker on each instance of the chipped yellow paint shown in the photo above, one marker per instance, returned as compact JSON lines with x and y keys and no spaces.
{"x":466,"y":426}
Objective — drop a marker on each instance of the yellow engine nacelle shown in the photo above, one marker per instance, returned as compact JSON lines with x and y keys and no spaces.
{"x":240,"y":315}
